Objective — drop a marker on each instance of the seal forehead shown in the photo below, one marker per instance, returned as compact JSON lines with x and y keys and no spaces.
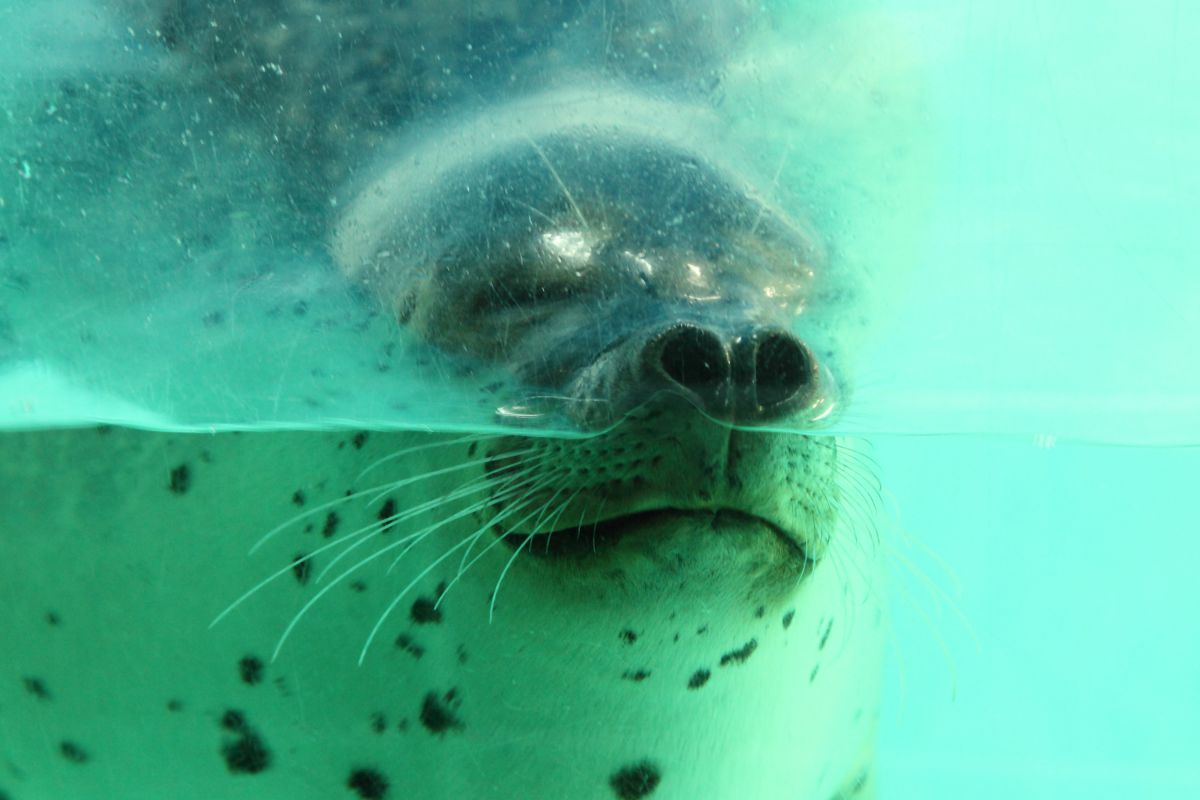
{"x":565,"y":172}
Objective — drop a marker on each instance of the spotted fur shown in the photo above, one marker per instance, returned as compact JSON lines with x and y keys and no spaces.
{"x":667,"y":663}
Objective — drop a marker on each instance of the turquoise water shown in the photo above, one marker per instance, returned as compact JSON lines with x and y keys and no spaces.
{"x":1018,"y":180}
{"x":1051,"y":648}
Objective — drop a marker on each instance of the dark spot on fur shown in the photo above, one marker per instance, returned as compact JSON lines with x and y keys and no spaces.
{"x":461,"y":651}
{"x":331,"y":524}
{"x":174,"y":706}
{"x":73,"y":752}
{"x":471,"y":450}
{"x":233,"y":720}
{"x":358,"y":586}
{"x":36,"y":687}
{"x":387,"y":514}
{"x":637,"y":676}
{"x":812,"y":676}
{"x":425,"y":611}
{"x":359,"y":440}
{"x":246,"y":754}
{"x":699,"y":678}
{"x":378,"y":722}
{"x":438,"y":713}
{"x":635,"y":781}
{"x":300,"y":308}
{"x":825,"y":635}
{"x":181,"y":479}
{"x":298,"y":498}
{"x":52,"y":619}
{"x":251,"y":670}
{"x":787,"y":619}
{"x":760,"y":612}
{"x":628,"y":636}
{"x":405,"y":643}
{"x":213,"y":318}
{"x":368,"y":783}
{"x":740,"y":655}
{"x":703,"y":629}
{"x":301,"y":567}
{"x":103,"y":430}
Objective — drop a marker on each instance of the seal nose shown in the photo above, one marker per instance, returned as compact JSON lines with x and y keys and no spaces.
{"x":695,"y":359}
{"x":757,"y":377}
{"x":783,"y":375}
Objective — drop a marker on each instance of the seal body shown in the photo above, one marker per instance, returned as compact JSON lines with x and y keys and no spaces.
{"x":674,"y":655}
{"x":673,"y":602}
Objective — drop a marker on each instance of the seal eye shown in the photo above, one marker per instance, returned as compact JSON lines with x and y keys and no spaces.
{"x":516,"y":295}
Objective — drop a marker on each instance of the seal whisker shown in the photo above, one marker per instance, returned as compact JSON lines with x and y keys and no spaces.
{"x":524,"y":503}
{"x":529,"y":538}
{"x":936,"y":592}
{"x":463,"y":565}
{"x":464,"y":512}
{"x":274,"y":575}
{"x":940,"y":598}
{"x":418,"y":535}
{"x":783,"y":157}
{"x":470,"y":438}
{"x":578,"y":530}
{"x":362,"y":534}
{"x":596,"y":521}
{"x":558,"y":179}
{"x":377,"y":491}
{"x":863,"y":454}
{"x":382,"y":491}
{"x":558,"y":515}
{"x":487,"y":481}
{"x":329,"y":587}
{"x":396,"y":600}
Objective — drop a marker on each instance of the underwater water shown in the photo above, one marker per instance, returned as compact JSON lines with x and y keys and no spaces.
{"x":1015,"y":184}
{"x":1044,"y":641}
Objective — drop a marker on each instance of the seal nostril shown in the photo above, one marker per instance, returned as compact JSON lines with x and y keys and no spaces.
{"x":693,"y":358}
{"x":782,"y":368}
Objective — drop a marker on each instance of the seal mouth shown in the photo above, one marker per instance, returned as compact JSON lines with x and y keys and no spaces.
{"x":585,"y":540}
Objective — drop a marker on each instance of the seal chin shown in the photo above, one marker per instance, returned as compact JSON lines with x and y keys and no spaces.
{"x":584,"y":540}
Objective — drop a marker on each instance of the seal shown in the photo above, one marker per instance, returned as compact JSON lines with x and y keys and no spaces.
{"x":672,"y":607}
{"x":674,"y":601}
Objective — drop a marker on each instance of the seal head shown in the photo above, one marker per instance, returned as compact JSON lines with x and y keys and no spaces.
{"x":592,"y":245}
